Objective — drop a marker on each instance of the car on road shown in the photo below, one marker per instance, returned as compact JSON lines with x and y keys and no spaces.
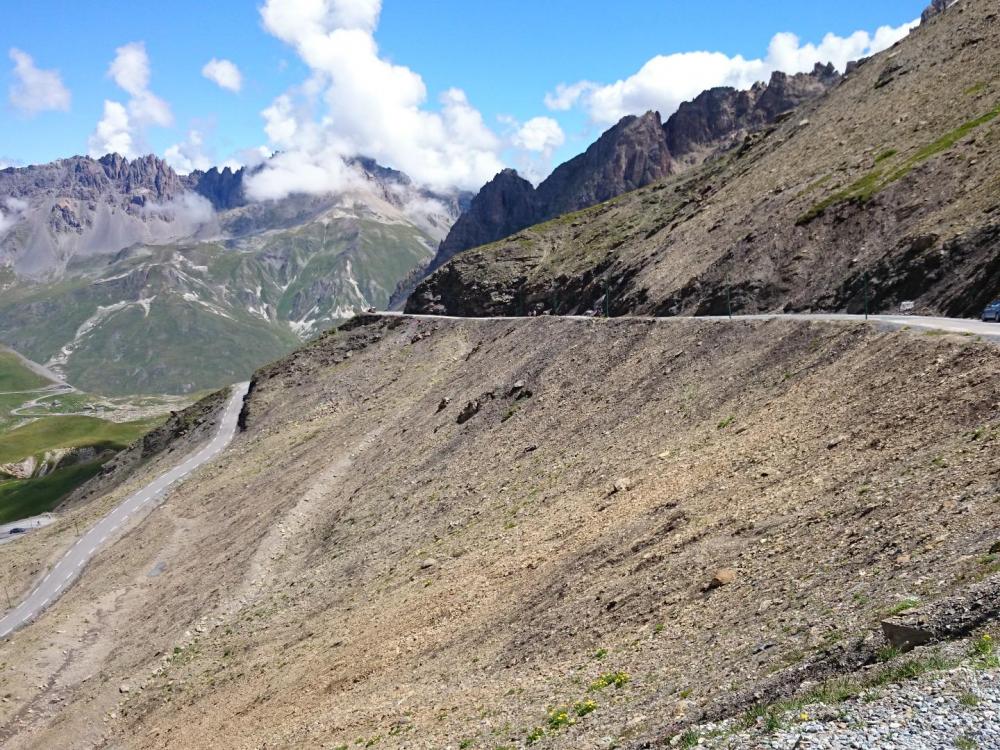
{"x":992,"y":312}
{"x":17,"y":530}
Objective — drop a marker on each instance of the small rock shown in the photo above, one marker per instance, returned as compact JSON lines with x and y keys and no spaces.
{"x":622,"y":484}
{"x":905,"y":637}
{"x":444,"y":404}
{"x":124,"y":689}
{"x":531,"y":448}
{"x":836,"y":441}
{"x":995,"y":549}
{"x":427,"y":563}
{"x":722,"y":577}
{"x":471,"y":409}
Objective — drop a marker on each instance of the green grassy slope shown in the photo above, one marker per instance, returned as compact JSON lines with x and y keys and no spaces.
{"x":23,"y":499}
{"x":14,"y":376}
{"x":35,"y":438}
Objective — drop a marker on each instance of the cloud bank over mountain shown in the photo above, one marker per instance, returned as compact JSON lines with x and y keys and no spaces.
{"x":667,"y":80}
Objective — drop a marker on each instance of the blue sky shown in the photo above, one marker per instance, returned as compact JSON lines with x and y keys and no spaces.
{"x":505,"y":57}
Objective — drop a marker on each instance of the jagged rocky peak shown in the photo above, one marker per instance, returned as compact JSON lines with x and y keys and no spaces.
{"x":723,"y":115}
{"x":147,"y":174}
{"x":630,"y":155}
{"x":144,"y":178}
{"x":504,"y":205}
{"x":936,"y":8}
{"x":222,"y":188}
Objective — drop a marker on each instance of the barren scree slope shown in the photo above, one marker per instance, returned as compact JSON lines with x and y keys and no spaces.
{"x":432,"y":532}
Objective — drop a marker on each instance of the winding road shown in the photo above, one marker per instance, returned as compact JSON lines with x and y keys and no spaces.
{"x":68,"y":569}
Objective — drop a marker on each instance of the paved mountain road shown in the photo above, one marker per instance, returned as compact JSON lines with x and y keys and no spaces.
{"x":964,"y":326}
{"x":69,"y":567}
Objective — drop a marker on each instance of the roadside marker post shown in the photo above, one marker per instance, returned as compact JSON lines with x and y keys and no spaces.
{"x":866,"y":295}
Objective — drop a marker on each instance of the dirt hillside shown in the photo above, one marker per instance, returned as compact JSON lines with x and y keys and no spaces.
{"x":433,"y":534}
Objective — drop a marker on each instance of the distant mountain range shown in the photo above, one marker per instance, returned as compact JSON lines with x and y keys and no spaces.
{"x":125,"y":277}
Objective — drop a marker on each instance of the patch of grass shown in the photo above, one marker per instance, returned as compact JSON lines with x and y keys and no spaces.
{"x":535,"y":735}
{"x":984,"y":651}
{"x":68,"y":432}
{"x":30,"y":497}
{"x":689,"y":739}
{"x":14,"y":376}
{"x":969,"y":699}
{"x":600,"y":653}
{"x":726,"y":422}
{"x":887,"y":154}
{"x":966,"y":743}
{"x":867,"y":186}
{"x":888,"y":653}
{"x":975,"y":89}
{"x":584,"y":707}
{"x":903,"y":606}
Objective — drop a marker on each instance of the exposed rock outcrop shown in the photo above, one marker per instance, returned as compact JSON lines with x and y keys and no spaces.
{"x":636,"y":152}
{"x":936,"y":8}
{"x":720,"y":117}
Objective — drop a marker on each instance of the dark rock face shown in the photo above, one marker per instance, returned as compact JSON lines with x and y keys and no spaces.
{"x":224,"y":190}
{"x":722,"y":116}
{"x":630,"y":155}
{"x":936,"y":8}
{"x":506,"y":204}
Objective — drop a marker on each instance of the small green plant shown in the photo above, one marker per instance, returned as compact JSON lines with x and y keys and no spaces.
{"x":969,"y":699}
{"x":887,"y":154}
{"x":658,"y":629}
{"x":903,"y":606}
{"x":689,"y":739}
{"x":984,"y":651}
{"x":559,"y":718}
{"x":600,"y":653}
{"x":966,"y":743}
{"x":618,"y":679}
{"x":686,"y":693}
{"x":726,"y":422}
{"x":888,"y":653}
{"x":584,"y":707}
{"x":535,"y":735}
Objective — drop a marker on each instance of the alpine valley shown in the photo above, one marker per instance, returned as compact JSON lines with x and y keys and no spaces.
{"x":125,"y":277}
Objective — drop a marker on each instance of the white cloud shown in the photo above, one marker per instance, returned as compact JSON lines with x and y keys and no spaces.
{"x":130,"y":68}
{"x":35,"y":90}
{"x":223,"y":73}
{"x":11,"y":213}
{"x":667,"y":80}
{"x":540,"y":134}
{"x":121,"y":128}
{"x":190,"y":155}
{"x":113,"y":134}
{"x":358,"y":103}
